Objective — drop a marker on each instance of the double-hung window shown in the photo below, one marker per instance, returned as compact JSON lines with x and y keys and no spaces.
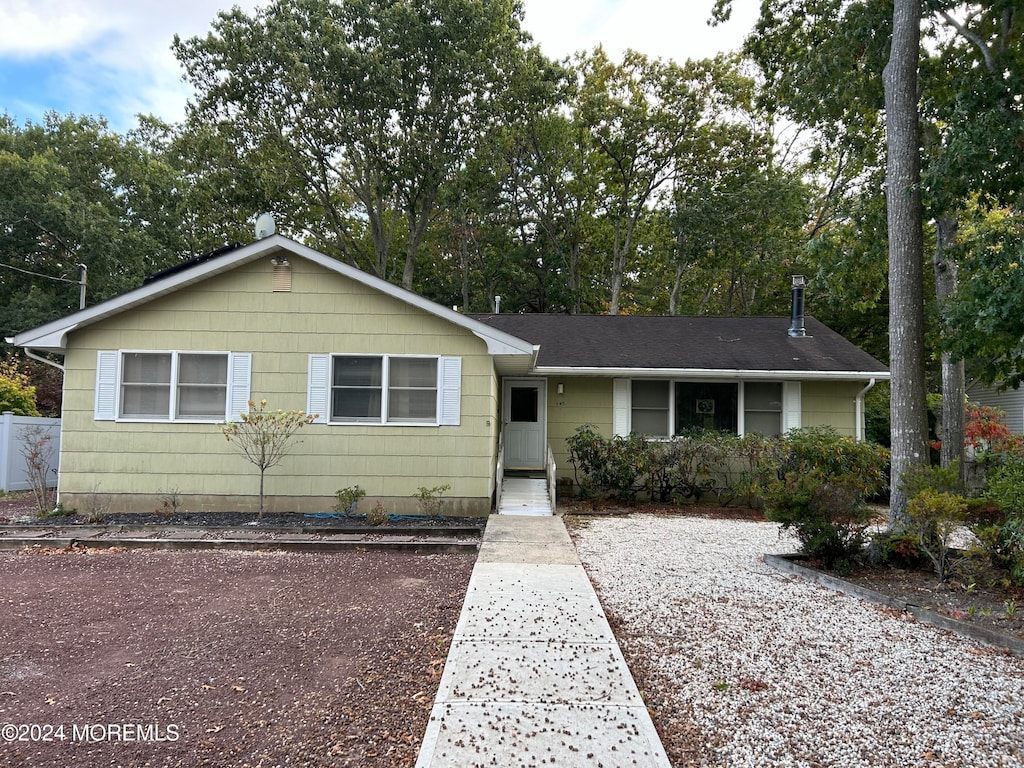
{"x":385,"y":389}
{"x":171,"y":386}
{"x":650,"y":408}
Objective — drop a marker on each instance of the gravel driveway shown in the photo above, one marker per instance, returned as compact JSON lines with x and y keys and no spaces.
{"x":744,"y":666}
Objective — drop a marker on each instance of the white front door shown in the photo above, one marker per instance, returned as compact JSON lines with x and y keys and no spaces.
{"x":524,"y":414}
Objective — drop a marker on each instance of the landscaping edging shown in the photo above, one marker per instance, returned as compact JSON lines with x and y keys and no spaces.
{"x":788,"y":564}
{"x":396,"y":544}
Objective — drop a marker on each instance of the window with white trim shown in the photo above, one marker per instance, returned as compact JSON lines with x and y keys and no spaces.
{"x":661,"y":408}
{"x":148,"y":385}
{"x":762,"y":407}
{"x":385,"y":389}
{"x":650,"y":408}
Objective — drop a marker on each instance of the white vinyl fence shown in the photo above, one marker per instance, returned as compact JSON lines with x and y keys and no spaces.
{"x":15,"y":433}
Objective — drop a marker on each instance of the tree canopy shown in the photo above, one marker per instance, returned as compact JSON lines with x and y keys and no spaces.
{"x":431,"y":143}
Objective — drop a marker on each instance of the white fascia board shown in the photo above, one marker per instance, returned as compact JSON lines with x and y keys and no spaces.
{"x":712,"y":373}
{"x":52,"y":337}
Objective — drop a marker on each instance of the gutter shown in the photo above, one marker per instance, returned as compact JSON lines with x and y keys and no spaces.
{"x":859,"y":401}
{"x":713,"y":373}
{"x":34,"y":356}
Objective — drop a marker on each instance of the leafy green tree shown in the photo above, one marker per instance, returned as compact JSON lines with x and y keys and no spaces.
{"x":642,"y":115}
{"x":986,"y":321}
{"x":73,"y":193}
{"x":369,"y":105}
{"x":16,"y":391}
{"x":265,"y":436}
{"x":736,"y":221}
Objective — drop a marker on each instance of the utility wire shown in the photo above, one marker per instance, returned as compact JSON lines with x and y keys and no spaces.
{"x":36,"y":274}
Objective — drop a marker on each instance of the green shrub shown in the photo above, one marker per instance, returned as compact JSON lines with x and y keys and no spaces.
{"x":378,"y":515}
{"x":1002,"y":539}
{"x":348,"y":499}
{"x":899,"y":549}
{"x":815,"y":483}
{"x":934,"y":516}
{"x":687,"y":466}
{"x":616,"y":465}
{"x":17,"y":396}
{"x":921,"y":477}
{"x":431,"y":500}
{"x":1006,"y":487}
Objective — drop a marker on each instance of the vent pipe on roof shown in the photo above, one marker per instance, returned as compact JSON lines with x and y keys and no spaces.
{"x":497,"y":305}
{"x":796,"y":317}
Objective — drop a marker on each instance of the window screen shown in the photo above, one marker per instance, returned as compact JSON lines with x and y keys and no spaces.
{"x":650,"y":407}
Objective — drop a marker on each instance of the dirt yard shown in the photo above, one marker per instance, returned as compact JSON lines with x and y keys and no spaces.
{"x":165,"y":659}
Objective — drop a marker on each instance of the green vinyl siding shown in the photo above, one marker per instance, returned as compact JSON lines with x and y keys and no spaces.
{"x":583,"y":401}
{"x":323,"y":313}
{"x":827,"y":403}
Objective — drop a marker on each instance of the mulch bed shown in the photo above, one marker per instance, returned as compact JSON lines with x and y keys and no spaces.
{"x":982,"y":600}
{"x":20,"y":509}
{"x":222,"y":659}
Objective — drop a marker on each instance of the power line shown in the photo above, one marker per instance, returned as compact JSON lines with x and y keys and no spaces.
{"x":37,"y":274}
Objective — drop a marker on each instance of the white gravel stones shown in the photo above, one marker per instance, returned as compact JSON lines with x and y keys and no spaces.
{"x":783,"y":672}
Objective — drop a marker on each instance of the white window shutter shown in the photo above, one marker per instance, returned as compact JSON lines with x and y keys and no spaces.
{"x":239,"y":384}
{"x":792,"y":406}
{"x":620,"y":407}
{"x":451,"y":391}
{"x":106,"y":385}
{"x":318,"y":394}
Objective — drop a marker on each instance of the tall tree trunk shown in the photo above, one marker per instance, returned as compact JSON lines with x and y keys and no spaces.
{"x":906,"y":252}
{"x":677,"y":283}
{"x":677,"y":287}
{"x":464,"y":260}
{"x":618,"y":267}
{"x":574,"y":277}
{"x":953,"y":384}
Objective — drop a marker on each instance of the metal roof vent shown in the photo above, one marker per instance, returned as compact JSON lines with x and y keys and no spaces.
{"x":796,"y":317}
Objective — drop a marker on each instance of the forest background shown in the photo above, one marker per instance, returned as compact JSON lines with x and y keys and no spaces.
{"x":433,"y":144}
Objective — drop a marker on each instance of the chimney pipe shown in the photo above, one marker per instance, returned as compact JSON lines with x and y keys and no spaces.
{"x":497,"y":305}
{"x":796,"y":318}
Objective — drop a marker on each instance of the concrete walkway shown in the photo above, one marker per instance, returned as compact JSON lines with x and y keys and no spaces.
{"x":534,"y":675}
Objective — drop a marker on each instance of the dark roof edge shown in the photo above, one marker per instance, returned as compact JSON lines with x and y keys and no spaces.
{"x":189,"y":263}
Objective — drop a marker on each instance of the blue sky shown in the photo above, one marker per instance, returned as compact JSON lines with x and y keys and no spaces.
{"x":113,"y":58}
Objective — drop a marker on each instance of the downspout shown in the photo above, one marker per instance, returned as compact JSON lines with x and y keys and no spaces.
{"x":860,"y":409}
{"x":30,"y":353}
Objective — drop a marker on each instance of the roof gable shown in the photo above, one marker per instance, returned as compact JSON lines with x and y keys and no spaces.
{"x":52,"y":337}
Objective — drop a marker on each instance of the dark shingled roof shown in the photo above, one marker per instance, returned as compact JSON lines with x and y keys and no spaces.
{"x":723,"y":343}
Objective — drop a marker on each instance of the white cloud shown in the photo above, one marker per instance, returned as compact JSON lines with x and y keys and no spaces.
{"x":113,"y":56}
{"x":664,"y":28}
{"x":47,"y":26}
{"x":109,"y":56}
